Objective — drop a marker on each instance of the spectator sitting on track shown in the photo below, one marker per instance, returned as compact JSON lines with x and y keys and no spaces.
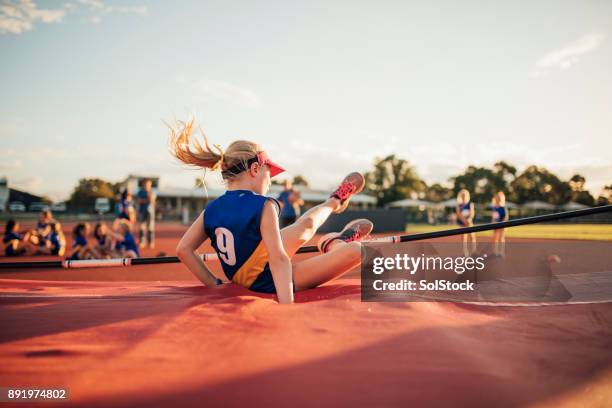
{"x":104,"y":241}
{"x":57,"y":241}
{"x":43,"y":229}
{"x":81,"y":249}
{"x":125,"y":244}
{"x":16,"y":244}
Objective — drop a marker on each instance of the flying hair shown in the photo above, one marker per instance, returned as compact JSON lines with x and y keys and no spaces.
{"x":189,"y":150}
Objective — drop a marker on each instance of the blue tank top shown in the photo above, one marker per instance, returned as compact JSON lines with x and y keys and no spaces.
{"x":232,"y":222}
{"x":499,"y":213}
{"x":288,"y":210}
{"x":128,"y":243}
{"x":465,"y":210}
{"x":79,"y":240}
{"x":56,"y":243}
{"x":8,"y":237}
{"x":101,"y":241}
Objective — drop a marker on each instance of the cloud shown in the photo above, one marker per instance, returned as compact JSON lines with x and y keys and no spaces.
{"x":19,"y":16}
{"x":100,"y":8}
{"x":227,"y":92}
{"x":568,"y":55}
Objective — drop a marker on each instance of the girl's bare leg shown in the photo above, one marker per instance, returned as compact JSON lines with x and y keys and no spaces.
{"x":301,"y":231}
{"x":473,"y":236}
{"x":341,"y":258}
{"x":502,"y":242}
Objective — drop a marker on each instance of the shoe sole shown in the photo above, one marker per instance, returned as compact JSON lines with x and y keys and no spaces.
{"x":359,"y":190}
{"x":357,"y":221}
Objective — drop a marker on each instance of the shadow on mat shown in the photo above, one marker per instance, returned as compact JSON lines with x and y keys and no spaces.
{"x":520,"y":361}
{"x":57,"y":314}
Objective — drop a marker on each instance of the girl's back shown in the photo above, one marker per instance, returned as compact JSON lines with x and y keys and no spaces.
{"x":237,"y":213}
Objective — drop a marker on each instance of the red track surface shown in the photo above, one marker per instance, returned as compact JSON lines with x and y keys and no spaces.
{"x":155,"y":337}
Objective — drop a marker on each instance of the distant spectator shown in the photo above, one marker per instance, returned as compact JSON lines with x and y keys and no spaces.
{"x":465,"y":218}
{"x":499,"y":214}
{"x":290,"y":202}
{"x":125,"y":210}
{"x":16,"y":244}
{"x":81,"y":249}
{"x":43,"y":229}
{"x":57,"y":241}
{"x":126,"y":244}
{"x":146,"y":214}
{"x":104,"y":242}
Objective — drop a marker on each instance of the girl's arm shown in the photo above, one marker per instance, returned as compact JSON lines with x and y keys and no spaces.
{"x":280,"y":264}
{"x":472,"y":211}
{"x":115,"y":235}
{"x":75,"y":249}
{"x":62,"y":249}
{"x":186,"y":251}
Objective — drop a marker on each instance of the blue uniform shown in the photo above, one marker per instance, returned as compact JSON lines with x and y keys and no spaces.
{"x":10,"y":236}
{"x":232,"y":222}
{"x":79,"y":240}
{"x":499,"y":213}
{"x":124,"y":206}
{"x":288,"y":211}
{"x":101,"y":241}
{"x":465,"y":210}
{"x":128,"y":243}
{"x":56,"y":243}
{"x":42,"y":238}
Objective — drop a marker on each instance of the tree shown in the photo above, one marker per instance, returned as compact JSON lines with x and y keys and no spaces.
{"x":393,"y":179}
{"x":300,"y":181}
{"x":579,"y":194}
{"x":481,"y":182}
{"x":537,"y":183}
{"x":297,"y":181}
{"x":85,"y":193}
{"x":605,"y":197}
{"x":437,"y":193}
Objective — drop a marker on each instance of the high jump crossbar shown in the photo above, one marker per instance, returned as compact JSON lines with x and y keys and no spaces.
{"x":5,"y":267}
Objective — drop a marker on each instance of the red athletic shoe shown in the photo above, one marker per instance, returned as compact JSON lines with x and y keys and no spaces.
{"x":351,"y":185}
{"x":355,"y":230}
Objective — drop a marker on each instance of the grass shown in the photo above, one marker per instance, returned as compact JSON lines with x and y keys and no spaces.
{"x":599,"y":232}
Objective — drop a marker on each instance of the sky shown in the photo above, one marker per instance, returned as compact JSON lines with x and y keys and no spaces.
{"x":324,"y":86}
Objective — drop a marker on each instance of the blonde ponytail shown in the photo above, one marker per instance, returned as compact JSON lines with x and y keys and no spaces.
{"x":192,"y":153}
{"x":196,"y":155}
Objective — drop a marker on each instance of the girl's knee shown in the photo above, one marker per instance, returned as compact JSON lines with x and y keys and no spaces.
{"x":307,"y":223}
{"x":353,"y":249}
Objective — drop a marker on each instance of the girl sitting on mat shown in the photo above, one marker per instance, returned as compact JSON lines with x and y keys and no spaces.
{"x":243,"y":225}
{"x":499,"y":214}
{"x":465,"y":218}
{"x":81,"y":249}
